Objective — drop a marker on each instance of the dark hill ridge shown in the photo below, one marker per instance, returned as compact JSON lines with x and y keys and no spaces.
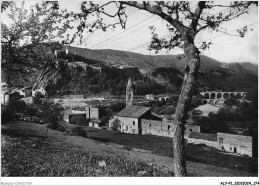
{"x":252,"y":68}
{"x":155,"y":74}
{"x":154,"y":61}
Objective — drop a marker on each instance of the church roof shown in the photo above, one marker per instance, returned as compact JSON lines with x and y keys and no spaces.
{"x":133,"y":111}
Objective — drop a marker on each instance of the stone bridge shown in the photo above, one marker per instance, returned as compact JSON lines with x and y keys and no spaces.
{"x":213,"y":97}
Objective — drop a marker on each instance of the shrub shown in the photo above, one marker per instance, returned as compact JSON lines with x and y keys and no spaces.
{"x":169,"y":110}
{"x":115,"y":124}
{"x":7,"y":116}
{"x":79,"y":131}
{"x":51,"y":113}
{"x":196,"y":112}
{"x":9,"y":110}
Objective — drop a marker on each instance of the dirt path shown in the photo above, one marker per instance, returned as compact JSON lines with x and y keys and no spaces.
{"x":108,"y":149}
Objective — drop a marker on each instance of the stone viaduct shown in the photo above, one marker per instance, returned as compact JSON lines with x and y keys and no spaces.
{"x":213,"y":97}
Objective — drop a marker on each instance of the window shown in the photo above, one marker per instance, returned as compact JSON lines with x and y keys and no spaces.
{"x":150,"y":125}
{"x":126,"y":128}
{"x":235,"y":150}
{"x":168,"y":127}
{"x":220,"y":141}
{"x":133,"y":122}
{"x":133,"y":131}
{"x":230,"y":148}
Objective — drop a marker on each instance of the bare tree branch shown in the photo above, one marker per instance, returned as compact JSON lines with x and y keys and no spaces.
{"x":154,"y":10}
{"x":196,"y":15}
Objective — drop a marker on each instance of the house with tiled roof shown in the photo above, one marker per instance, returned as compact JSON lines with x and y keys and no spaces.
{"x":131,"y":118}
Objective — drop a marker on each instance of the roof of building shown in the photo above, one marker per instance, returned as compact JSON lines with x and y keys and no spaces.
{"x":207,"y":108}
{"x":97,"y":121}
{"x":69,"y":111}
{"x":133,"y":111}
{"x":205,"y":136}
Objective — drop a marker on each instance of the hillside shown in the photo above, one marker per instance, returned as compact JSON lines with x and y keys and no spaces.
{"x":154,"y":61}
{"x":139,"y":60}
{"x":89,"y":72}
{"x":252,"y":68}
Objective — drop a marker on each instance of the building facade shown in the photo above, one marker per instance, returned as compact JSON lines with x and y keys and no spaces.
{"x":92,"y":113}
{"x":237,"y":144}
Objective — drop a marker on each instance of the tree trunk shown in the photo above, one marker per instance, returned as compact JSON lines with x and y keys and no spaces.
{"x":189,"y":82}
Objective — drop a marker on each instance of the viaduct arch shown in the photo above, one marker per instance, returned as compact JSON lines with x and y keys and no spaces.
{"x":213,"y":97}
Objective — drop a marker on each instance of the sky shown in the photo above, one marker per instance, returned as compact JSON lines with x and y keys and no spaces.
{"x":136,"y":36}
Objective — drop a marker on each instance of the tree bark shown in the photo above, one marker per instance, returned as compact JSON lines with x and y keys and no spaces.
{"x":189,"y":82}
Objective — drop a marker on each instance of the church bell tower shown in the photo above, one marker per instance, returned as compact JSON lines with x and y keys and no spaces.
{"x":129,"y":93}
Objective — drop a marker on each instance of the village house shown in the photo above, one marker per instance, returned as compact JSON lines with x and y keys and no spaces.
{"x":141,"y":120}
{"x":130,"y":118}
{"x":4,"y":94}
{"x":92,"y":113}
{"x":232,"y":143}
{"x":28,"y":100}
{"x":237,"y":144}
{"x":96,"y":123}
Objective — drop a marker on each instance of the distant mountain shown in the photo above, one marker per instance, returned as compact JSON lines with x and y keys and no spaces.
{"x":154,"y":61}
{"x":141,"y":61}
{"x":76,"y":73}
{"x":253,"y":68}
{"x":213,"y":74}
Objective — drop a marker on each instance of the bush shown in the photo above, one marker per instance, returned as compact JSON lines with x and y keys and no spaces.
{"x":115,"y":124}
{"x":51,"y":113}
{"x":79,"y":131}
{"x":169,"y":110}
{"x":196,"y":112}
{"x":9,"y":111}
{"x":7,"y":116}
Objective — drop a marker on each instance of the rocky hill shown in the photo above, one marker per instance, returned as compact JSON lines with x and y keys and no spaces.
{"x":154,"y":61}
{"x":89,"y":72}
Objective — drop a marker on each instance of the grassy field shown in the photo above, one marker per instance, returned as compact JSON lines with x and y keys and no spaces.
{"x":30,"y":155}
{"x":29,"y":150}
{"x":163,"y":146}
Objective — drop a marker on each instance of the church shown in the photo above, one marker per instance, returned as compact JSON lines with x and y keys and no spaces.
{"x":141,"y":120}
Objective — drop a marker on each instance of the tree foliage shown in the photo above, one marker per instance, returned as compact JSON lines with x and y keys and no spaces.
{"x":9,"y":111}
{"x":51,"y":113}
{"x":29,"y":40}
{"x":115,"y":124}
